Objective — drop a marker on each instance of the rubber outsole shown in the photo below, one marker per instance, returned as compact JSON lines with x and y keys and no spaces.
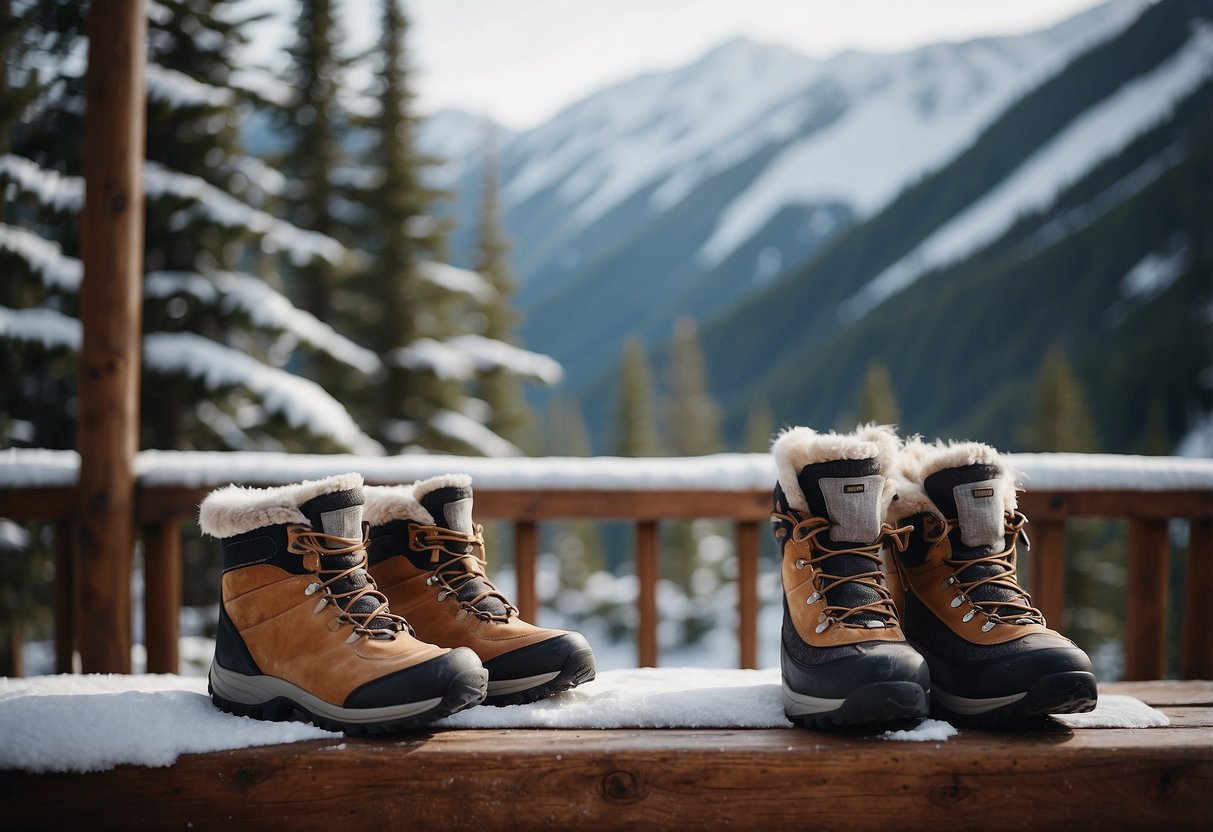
{"x":466,"y":689}
{"x":882,"y":705}
{"x":1072,"y":692}
{"x":577,"y":668}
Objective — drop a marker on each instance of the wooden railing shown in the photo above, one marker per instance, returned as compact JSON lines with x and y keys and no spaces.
{"x":161,"y":509}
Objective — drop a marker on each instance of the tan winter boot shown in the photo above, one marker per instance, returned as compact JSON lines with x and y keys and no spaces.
{"x":992,"y":657}
{"x":302,"y":629}
{"x":844,"y":658}
{"x":428,"y":558}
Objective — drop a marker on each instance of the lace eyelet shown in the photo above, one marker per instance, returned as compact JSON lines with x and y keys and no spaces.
{"x":957,"y":601}
{"x":311,"y":588}
{"x":969,"y":616}
{"x":813,"y":599}
{"x":800,"y":563}
{"x":431,"y":580}
{"x":821,"y":628}
{"x":989,"y":625}
{"x":442,"y":594}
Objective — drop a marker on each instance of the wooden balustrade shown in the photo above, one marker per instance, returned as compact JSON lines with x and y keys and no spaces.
{"x":161,"y":510}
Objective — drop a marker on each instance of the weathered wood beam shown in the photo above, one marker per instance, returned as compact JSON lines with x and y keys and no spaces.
{"x":648,"y":571}
{"x":1146,"y":600}
{"x":748,"y":548}
{"x":1196,"y":661}
{"x":111,"y":243}
{"x":162,"y":596}
{"x":526,"y":554}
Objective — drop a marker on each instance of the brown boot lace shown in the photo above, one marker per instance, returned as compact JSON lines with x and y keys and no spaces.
{"x":302,"y":540}
{"x":1016,"y":609}
{"x":810,"y":529}
{"x":454,"y":568}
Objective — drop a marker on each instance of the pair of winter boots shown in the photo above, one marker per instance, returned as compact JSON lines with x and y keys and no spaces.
{"x":368,"y":610}
{"x":900,"y":587}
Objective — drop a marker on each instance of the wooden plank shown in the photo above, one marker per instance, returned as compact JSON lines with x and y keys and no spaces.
{"x":1155,"y":505}
{"x":64,"y":599}
{"x":648,"y":570}
{"x":162,"y":596}
{"x":1049,"y":570}
{"x":1146,"y":606}
{"x":747,"y":535}
{"x":1056,"y":779}
{"x":1196,"y":661}
{"x":526,"y":554}
{"x":1189,"y":717}
{"x":1164,"y":692}
{"x":38,"y":503}
{"x":111,"y":245}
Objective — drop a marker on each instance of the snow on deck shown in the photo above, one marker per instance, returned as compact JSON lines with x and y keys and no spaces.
{"x":41,"y":468}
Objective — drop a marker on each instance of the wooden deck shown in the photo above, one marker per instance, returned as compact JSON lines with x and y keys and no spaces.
{"x":1050,"y":777}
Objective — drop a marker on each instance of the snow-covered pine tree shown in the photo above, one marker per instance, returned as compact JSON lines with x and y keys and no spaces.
{"x":692,"y":417}
{"x":635,"y":422}
{"x":216,"y":339}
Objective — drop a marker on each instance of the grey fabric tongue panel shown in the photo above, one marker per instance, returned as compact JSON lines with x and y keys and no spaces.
{"x":340,"y":514}
{"x":451,"y":508}
{"x":972,"y":494}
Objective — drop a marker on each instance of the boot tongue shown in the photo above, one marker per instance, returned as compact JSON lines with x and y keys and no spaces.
{"x":451,"y":508}
{"x":972,"y":494}
{"x":847,"y":493}
{"x":339,"y":513}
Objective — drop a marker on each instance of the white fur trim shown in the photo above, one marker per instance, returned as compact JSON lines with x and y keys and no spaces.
{"x":919,"y":460}
{"x":423,"y":487}
{"x":235,"y":510}
{"x":385,"y":503}
{"x":794,"y":448}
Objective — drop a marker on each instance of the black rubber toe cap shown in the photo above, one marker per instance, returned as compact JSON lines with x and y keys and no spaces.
{"x":428,"y":680}
{"x":1016,"y":667}
{"x":547,"y":656}
{"x":872,"y":662}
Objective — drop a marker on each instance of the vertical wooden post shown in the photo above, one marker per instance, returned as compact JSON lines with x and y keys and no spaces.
{"x":65,"y":622}
{"x":526,"y":553}
{"x":162,"y":596}
{"x":1146,"y":605}
{"x":647,"y":573}
{"x":747,"y":535}
{"x":1197,"y":660}
{"x":1049,"y":570}
{"x":111,"y":243}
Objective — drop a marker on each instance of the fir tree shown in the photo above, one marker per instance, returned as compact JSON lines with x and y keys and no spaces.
{"x":1063,"y":421}
{"x":635,"y":423}
{"x":759,"y":429}
{"x":692,"y":416}
{"x":877,"y":402}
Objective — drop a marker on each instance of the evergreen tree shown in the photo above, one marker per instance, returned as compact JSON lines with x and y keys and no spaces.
{"x":692,"y":417}
{"x":1063,"y":421}
{"x":501,"y":388}
{"x":566,"y":433}
{"x":877,"y":402}
{"x":759,"y":429}
{"x":635,"y":423}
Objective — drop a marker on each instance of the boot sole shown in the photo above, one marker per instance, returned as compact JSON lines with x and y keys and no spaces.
{"x":882,"y":704}
{"x":277,"y":700}
{"x":578,"y":667}
{"x":1072,"y":692}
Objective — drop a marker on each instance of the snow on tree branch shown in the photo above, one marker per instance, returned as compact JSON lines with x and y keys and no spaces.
{"x":180,"y":90}
{"x":260,"y":84}
{"x":265,"y":307}
{"x":43,"y":326}
{"x":435,"y":356}
{"x":472,"y":433}
{"x":455,"y":279}
{"x":490,"y":354}
{"x":49,"y":187}
{"x":226,"y":210}
{"x":301,"y":402}
{"x":45,"y":258}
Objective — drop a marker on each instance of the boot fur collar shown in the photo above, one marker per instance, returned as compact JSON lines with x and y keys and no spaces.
{"x":385,"y":503}
{"x":919,"y":460}
{"x":797,"y":447}
{"x":235,"y":510}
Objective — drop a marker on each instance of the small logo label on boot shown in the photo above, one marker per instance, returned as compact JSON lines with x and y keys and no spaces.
{"x":983,"y":492}
{"x":853,"y":488}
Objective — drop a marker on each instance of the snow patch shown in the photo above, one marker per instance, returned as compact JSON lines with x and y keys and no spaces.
{"x":180,"y":90}
{"x":45,"y":258}
{"x":455,"y":279}
{"x":302,"y":402}
{"x":489,"y":354}
{"x":1155,"y":272}
{"x":929,"y":730}
{"x":1093,"y":136}
{"x":51,"y":188}
{"x":473,"y":433}
{"x":47,"y":327}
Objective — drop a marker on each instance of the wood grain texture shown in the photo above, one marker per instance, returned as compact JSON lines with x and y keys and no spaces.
{"x":162,"y":596}
{"x":1146,"y":604}
{"x":111,"y":246}
{"x":1048,"y":577}
{"x":648,"y":570}
{"x":619,"y":779}
{"x":747,"y":536}
{"x":1196,"y":662}
{"x":526,"y":555}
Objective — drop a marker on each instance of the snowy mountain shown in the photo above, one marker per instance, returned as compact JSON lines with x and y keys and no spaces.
{"x":687,"y":191}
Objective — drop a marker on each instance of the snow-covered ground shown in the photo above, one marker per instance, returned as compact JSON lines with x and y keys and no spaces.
{"x":96,"y":722}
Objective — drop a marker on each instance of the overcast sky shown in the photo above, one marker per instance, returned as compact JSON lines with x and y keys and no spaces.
{"x":520,"y":61}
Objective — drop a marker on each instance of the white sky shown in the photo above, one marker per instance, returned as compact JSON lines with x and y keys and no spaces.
{"x":520,"y":61}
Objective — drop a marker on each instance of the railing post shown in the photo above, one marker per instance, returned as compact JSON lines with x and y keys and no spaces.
{"x":1197,"y":660}
{"x":647,"y":573}
{"x":1048,"y":577}
{"x":162,"y":596}
{"x":747,"y":534}
{"x":65,"y":610}
{"x":1146,"y":604}
{"x":526,"y":553}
